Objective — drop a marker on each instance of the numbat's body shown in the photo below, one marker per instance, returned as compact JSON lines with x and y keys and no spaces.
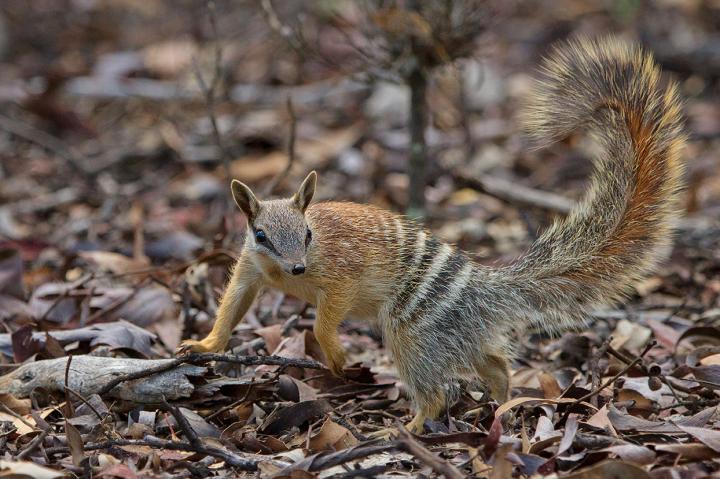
{"x":443,"y":317}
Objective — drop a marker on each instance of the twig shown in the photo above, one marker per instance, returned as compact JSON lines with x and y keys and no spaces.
{"x":411,"y":446}
{"x":69,"y":412}
{"x":328,"y":460}
{"x":209,"y":89}
{"x":290,"y":149}
{"x":610,"y":381}
{"x":183,"y":424}
{"x":417,"y":159}
{"x":338,"y":419}
{"x":595,"y":366}
{"x":84,"y":401}
{"x":32,"y":445}
{"x":203,"y":358}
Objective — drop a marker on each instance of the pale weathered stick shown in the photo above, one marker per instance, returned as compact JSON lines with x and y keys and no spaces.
{"x":89,"y":374}
{"x":513,"y":192}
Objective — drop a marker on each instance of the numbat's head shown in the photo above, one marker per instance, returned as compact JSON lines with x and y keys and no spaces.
{"x":278,"y":228}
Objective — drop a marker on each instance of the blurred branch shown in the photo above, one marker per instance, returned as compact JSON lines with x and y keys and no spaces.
{"x":515,"y":193}
{"x":209,"y":89}
{"x":290,"y":149}
{"x":45,"y":140}
{"x":417,"y":161}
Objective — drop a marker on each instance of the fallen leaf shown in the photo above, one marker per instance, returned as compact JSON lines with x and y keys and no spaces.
{"x":332,"y":436}
{"x":709,"y":437}
{"x":548,"y":383}
{"x":118,"y":470}
{"x":75,"y":443}
{"x":629,"y":335}
{"x":640,"y":455}
{"x":26,"y":470}
{"x":710,"y":374}
{"x":610,"y":470}
{"x":625,"y":422}
{"x":143,"y":306}
{"x":284,"y":418}
{"x":117,"y":335}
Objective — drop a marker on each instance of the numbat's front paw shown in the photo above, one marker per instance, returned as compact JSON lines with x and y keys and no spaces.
{"x":336,"y":363}
{"x":192,"y":346}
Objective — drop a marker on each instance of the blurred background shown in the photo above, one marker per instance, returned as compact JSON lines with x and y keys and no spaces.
{"x":122,"y":122}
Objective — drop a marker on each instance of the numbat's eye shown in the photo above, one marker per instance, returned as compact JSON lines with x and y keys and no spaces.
{"x":260,"y":236}
{"x":308,"y":237}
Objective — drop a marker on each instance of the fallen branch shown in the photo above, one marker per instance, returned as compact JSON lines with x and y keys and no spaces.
{"x":324,"y":461}
{"x":203,"y":358}
{"x":182,"y":422}
{"x":90,"y":375}
{"x":515,"y":193}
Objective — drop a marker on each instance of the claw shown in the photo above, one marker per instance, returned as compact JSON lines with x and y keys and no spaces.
{"x":192,"y":346}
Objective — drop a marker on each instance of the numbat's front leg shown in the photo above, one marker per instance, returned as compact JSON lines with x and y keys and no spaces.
{"x":239,"y":296}
{"x":331,"y":310}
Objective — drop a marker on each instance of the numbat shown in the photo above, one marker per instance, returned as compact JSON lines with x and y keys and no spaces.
{"x":443,"y":317}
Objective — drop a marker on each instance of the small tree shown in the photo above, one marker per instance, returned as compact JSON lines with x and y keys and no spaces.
{"x":404,"y":42}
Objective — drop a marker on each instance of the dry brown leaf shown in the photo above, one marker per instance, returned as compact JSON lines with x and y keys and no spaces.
{"x":75,"y":443}
{"x":332,"y":436}
{"x":20,"y":406}
{"x":548,"y":383}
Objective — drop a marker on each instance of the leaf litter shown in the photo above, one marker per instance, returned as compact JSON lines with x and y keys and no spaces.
{"x":116,"y":238}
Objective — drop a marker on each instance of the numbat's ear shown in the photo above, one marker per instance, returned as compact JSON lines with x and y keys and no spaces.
{"x":305,"y":193}
{"x":245,"y":199}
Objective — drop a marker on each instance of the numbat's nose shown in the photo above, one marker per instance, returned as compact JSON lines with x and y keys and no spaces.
{"x":298,"y":269}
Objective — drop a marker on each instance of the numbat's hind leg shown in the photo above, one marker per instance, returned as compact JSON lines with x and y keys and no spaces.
{"x":495,"y":372}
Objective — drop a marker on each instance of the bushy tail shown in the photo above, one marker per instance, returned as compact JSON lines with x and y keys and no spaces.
{"x":623,"y":226}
